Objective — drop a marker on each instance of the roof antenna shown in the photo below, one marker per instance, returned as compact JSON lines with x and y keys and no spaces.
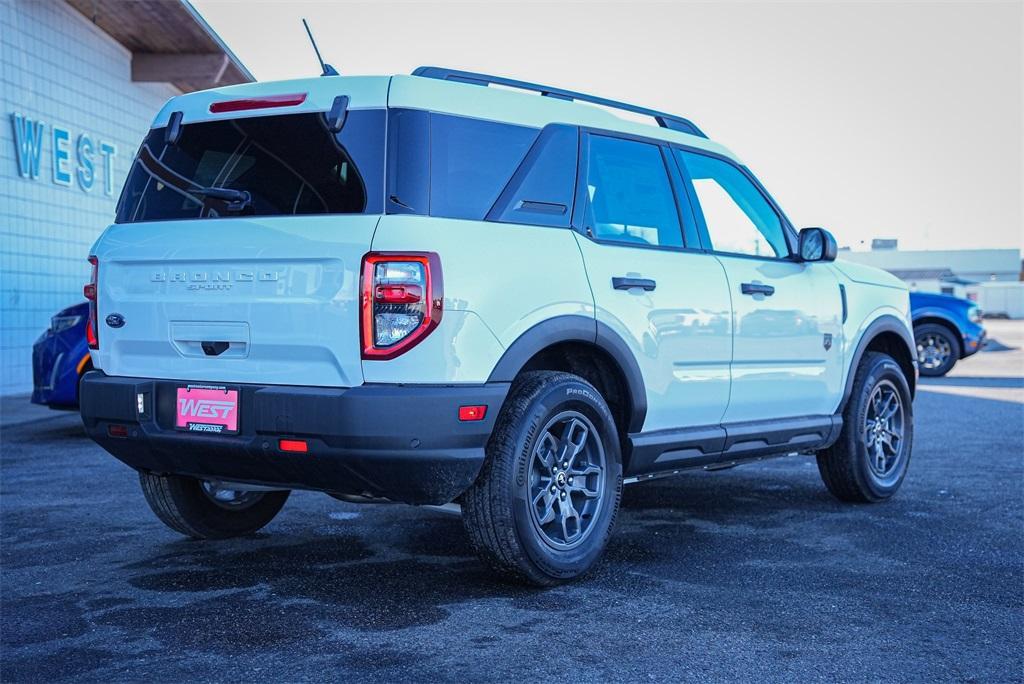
{"x":327,"y":69}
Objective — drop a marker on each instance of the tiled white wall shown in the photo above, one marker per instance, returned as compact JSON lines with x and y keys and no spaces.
{"x":56,"y":67}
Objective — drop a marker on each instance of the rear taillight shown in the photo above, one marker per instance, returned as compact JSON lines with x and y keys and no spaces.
{"x":401,"y":301}
{"x":89,"y":291}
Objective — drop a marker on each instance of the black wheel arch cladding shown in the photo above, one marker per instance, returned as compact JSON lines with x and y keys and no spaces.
{"x":890,"y":327}
{"x":574,"y":328}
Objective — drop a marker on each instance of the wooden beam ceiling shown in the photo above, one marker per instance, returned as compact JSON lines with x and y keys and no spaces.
{"x":169,"y":42}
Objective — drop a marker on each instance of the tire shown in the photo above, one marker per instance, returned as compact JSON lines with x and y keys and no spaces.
{"x":507,"y":512}
{"x":938,"y":349}
{"x":184,"y":505}
{"x":852,"y":468}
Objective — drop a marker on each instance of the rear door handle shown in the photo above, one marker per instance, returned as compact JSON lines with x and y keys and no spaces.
{"x":629,"y":283}
{"x":757,"y":289}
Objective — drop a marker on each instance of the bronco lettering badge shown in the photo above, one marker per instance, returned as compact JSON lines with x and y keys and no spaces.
{"x":214,"y":280}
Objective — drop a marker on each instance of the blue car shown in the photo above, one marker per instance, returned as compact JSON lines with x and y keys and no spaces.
{"x":946,"y":329}
{"x":60,"y":357}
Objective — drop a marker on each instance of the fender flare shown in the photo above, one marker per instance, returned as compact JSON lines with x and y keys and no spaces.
{"x":574,"y":328}
{"x":882,"y":324}
{"x":930,"y":312}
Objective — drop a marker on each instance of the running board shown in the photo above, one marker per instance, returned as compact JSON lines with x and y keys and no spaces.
{"x":724,"y":465}
{"x":666,"y":451}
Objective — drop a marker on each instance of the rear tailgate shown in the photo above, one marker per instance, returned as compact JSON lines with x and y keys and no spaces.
{"x":263,"y":300}
{"x":240,"y":233}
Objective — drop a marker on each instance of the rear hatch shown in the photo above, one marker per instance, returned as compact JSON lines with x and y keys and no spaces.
{"x":236,"y":252}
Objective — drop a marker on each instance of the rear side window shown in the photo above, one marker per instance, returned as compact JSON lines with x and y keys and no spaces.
{"x":630,"y":195}
{"x":287,"y":165}
{"x":471,"y":160}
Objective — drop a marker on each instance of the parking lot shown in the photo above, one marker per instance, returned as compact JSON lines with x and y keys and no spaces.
{"x":749,"y":573}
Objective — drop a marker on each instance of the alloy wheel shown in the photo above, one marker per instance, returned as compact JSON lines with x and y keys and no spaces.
{"x":567,"y":480}
{"x":884,"y":427}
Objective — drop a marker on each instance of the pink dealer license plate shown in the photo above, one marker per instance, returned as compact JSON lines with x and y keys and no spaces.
{"x":202,"y":408}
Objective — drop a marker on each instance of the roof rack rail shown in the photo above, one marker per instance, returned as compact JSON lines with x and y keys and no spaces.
{"x":670,"y":121}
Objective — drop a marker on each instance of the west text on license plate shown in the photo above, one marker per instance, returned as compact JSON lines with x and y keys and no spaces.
{"x":206,"y":408}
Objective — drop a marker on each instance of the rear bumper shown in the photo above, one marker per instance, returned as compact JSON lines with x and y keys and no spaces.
{"x":401,"y":442}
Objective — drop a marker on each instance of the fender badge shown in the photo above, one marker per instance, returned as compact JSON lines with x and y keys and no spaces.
{"x":827,"y":341}
{"x":115,"y":320}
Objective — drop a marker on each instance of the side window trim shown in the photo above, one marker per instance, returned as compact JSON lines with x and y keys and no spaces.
{"x":526,"y":166}
{"x":582,"y":199}
{"x":408,"y":148}
{"x":788,"y":232}
{"x":691,"y":198}
{"x":684,"y":203}
{"x":579,"y":207}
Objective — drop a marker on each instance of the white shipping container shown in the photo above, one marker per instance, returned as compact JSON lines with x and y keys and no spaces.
{"x":999,"y":298}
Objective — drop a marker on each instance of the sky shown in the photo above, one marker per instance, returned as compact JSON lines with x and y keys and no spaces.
{"x":875,"y":120}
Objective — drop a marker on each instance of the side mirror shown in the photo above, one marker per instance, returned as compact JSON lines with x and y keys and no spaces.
{"x":817,"y":244}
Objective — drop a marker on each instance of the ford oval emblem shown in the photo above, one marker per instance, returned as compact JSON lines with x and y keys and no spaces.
{"x":115,"y":320}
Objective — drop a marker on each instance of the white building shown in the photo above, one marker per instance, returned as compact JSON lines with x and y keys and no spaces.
{"x":81,"y":81}
{"x":991,"y":277}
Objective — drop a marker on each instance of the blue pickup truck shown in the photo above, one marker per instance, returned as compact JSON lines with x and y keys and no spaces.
{"x":946,"y":329}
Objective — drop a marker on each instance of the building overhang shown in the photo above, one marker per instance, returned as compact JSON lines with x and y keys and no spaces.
{"x":170,"y":42}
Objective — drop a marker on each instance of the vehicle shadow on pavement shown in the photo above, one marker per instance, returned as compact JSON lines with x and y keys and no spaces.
{"x":398,"y":568}
{"x":363,"y":581}
{"x":994,"y":345}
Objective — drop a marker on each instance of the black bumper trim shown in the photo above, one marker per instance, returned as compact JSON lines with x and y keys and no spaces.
{"x":400,"y":442}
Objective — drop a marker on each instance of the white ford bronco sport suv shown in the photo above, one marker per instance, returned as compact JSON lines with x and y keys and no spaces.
{"x":428,"y":290}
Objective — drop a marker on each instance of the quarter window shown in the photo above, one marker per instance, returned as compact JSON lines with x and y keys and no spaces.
{"x":738,"y":217}
{"x":630,"y":197}
{"x":471,"y":160}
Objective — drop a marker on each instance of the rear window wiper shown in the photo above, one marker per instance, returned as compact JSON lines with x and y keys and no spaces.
{"x":234,"y":200}
{"x":228,"y":199}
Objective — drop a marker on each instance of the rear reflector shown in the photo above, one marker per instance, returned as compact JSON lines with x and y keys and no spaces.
{"x":469,"y":413}
{"x":258,"y":103}
{"x":117,"y":430}
{"x":297,"y":445}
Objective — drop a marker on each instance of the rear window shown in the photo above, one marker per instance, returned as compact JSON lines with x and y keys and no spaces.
{"x":280,"y":165}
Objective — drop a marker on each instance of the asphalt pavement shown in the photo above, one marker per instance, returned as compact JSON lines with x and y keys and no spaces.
{"x":753,"y":573}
